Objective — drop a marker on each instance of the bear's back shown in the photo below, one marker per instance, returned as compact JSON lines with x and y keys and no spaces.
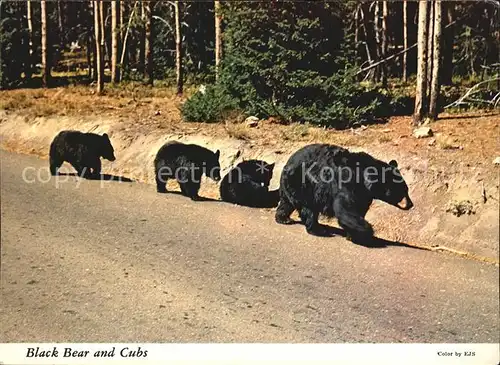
{"x":76,"y":138}
{"x":172,"y":150}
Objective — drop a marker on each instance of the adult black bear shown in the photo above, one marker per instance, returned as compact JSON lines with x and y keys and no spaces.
{"x":248,"y":184}
{"x":330,"y":180}
{"x":186,"y":163}
{"x":82,"y":150}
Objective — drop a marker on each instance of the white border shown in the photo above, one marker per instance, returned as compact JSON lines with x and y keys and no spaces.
{"x":222,"y":354}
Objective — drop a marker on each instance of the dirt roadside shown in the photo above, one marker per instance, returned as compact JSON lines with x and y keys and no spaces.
{"x":453,"y":181}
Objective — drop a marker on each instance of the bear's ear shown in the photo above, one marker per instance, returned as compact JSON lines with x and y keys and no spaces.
{"x":217,"y":153}
{"x":393,"y":163}
{"x":341,"y":157}
{"x":105,"y":135}
{"x":270,"y":166}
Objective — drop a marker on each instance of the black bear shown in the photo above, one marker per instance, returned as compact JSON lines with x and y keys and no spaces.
{"x":248,"y":184}
{"x":186,"y":163}
{"x":330,"y":180}
{"x":82,"y":150}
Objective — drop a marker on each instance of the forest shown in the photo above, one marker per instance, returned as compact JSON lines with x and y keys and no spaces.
{"x":331,"y":64}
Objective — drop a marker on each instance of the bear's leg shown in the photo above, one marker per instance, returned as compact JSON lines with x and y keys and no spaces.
{"x":310,"y":219}
{"x":190,"y":185}
{"x":284,"y":210}
{"x":353,"y":222}
{"x":161,"y":179}
{"x":82,"y":171}
{"x":55,"y":163}
{"x":55,"y":159}
{"x":190,"y":189}
{"x":96,"y":169}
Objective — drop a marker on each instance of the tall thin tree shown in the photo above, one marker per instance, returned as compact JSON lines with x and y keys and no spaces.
{"x":45,"y":57}
{"x":142,"y":39}
{"x":178,"y":49}
{"x":218,"y":37}
{"x":385,"y":14}
{"x":148,"y":46}
{"x":376,"y":29}
{"x":436,"y":54}
{"x":99,"y":46}
{"x":405,"y":40}
{"x":115,"y":40}
{"x":448,"y":36}
{"x":60,"y":23}
{"x":29,"y":66}
{"x":421,"y":91}
{"x":430,"y":40}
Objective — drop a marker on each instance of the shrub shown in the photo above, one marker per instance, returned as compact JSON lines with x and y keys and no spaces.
{"x":209,"y":106}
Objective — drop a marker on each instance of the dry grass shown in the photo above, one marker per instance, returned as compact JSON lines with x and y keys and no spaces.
{"x":295,"y":132}
{"x":468,"y":138}
{"x":446,"y":143}
{"x":238,"y":131}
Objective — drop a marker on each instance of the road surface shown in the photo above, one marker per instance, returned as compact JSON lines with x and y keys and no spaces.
{"x":116,"y":262}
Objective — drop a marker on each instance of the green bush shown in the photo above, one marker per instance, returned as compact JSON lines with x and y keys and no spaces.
{"x":209,"y":106}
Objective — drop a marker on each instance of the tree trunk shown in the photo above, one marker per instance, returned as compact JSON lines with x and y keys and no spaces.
{"x":356,"y":35}
{"x":115,"y":41}
{"x":368,"y":40}
{"x":421,"y":91}
{"x":405,"y":40}
{"x":29,"y":66}
{"x":148,"y":46}
{"x":430,"y":40}
{"x":376,"y":29}
{"x":102,"y":5}
{"x":99,"y":45}
{"x":436,"y":54}
{"x":60,"y":23}
{"x":178,"y":48}
{"x":125,"y":38}
{"x":123,"y":9}
{"x":45,"y":57}
{"x":89,"y":56}
{"x":383,"y":68}
{"x":142,"y":41}
{"x":448,"y":36}
{"x":218,"y":38}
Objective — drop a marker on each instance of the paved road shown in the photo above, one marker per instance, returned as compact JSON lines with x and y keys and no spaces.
{"x":119,"y":262}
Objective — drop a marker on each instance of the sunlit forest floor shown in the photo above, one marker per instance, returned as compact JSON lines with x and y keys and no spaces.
{"x":470,"y":137}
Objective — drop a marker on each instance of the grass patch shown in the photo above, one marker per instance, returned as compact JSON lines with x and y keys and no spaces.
{"x":296,"y":132}
{"x":238,"y":131}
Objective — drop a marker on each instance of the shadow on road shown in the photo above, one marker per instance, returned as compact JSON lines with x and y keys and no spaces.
{"x":200,"y":198}
{"x":375,"y":242}
{"x":103,"y":177}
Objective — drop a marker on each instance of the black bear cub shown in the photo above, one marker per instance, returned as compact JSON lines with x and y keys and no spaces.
{"x":82,"y":150}
{"x":186,"y":163}
{"x":248,"y":184}
{"x":330,"y":180}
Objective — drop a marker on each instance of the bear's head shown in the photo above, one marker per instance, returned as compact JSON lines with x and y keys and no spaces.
{"x":383,"y":181}
{"x":106,"y":149}
{"x":390,"y":186}
{"x":212,"y":167}
{"x":260,"y":171}
{"x":264,"y":173}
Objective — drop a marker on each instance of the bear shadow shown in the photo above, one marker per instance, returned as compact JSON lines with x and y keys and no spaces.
{"x":104,"y":177}
{"x":374,"y":242}
{"x":200,"y":198}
